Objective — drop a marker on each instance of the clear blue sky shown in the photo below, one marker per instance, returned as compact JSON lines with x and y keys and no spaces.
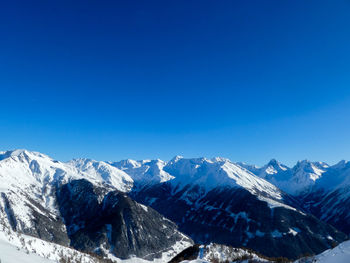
{"x":109,"y":80}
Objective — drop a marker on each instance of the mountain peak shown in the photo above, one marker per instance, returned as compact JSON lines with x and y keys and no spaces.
{"x":176,"y":158}
{"x":21,"y":154}
{"x":220,"y":159}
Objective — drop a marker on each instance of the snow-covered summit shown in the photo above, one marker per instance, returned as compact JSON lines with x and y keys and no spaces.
{"x":144,"y":171}
{"x":220,"y":172}
{"x":104,"y":172}
{"x":295,"y":180}
{"x":20,"y":153}
{"x":25,"y":168}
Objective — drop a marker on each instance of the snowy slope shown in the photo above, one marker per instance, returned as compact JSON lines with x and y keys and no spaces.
{"x":11,"y":254}
{"x":222,"y":253}
{"x":28,"y":181}
{"x":219,"y":201}
{"x":267,"y":171}
{"x":144,"y":171}
{"x":218,"y":253}
{"x":219,"y":172}
{"x":103,"y":172}
{"x":234,"y":198}
{"x":322,"y":190}
{"x":28,"y":197}
{"x":298,"y":179}
{"x":15,"y":247}
{"x":330,"y":197}
{"x":339,"y":254}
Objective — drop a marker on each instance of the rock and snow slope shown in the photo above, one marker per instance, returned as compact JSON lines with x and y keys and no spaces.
{"x":210,"y":199}
{"x":221,"y":254}
{"x":219,"y":201}
{"x":144,"y":171}
{"x":217,"y":253}
{"x":303,"y":176}
{"x":322,"y":190}
{"x":31,"y":203}
{"x":28,"y":182}
{"x":99,"y":221}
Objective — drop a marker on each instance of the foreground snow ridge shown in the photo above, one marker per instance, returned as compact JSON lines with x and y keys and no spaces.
{"x":339,"y":254}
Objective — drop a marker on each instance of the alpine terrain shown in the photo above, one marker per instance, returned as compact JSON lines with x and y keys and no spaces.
{"x":156,"y":211}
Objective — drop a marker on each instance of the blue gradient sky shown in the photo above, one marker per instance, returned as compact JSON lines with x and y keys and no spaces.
{"x":109,"y":80}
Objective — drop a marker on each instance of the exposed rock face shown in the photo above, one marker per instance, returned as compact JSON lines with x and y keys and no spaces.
{"x":114,"y":222}
{"x":41,"y":223}
{"x":86,"y":204}
{"x":79,"y":204}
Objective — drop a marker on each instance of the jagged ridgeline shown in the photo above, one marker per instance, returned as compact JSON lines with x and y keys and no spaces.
{"x":83,"y":206}
{"x":153,"y":209}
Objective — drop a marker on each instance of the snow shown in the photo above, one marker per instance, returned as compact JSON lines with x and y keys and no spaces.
{"x":300,"y":178}
{"x":12,"y":254}
{"x":144,"y":171}
{"x":24,"y":173}
{"x":15,"y":247}
{"x":29,"y":249}
{"x":220,"y":172}
{"x":144,"y":207}
{"x":203,"y":172}
{"x":103,"y":172}
{"x":339,"y":254}
{"x":294,"y":231}
{"x":222,"y":253}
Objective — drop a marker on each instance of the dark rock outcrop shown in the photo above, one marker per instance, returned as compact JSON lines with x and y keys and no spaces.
{"x":114,"y":222}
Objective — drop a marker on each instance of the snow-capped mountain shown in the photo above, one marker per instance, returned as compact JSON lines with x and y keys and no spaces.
{"x":219,"y":201}
{"x":207,"y":174}
{"x":31,"y":194}
{"x":144,"y":171}
{"x":86,"y":204}
{"x":322,"y":190}
{"x":330,"y":197}
{"x":267,"y":171}
{"x":296,"y":180}
{"x":103,"y":172}
{"x":28,"y":181}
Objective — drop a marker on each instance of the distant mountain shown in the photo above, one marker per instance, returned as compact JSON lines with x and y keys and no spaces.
{"x":145,"y":171}
{"x":218,"y":201}
{"x":321,"y":189}
{"x":295,"y":180}
{"x":329,"y":199}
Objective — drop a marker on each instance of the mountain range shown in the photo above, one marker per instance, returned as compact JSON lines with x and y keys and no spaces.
{"x":151,"y":210}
